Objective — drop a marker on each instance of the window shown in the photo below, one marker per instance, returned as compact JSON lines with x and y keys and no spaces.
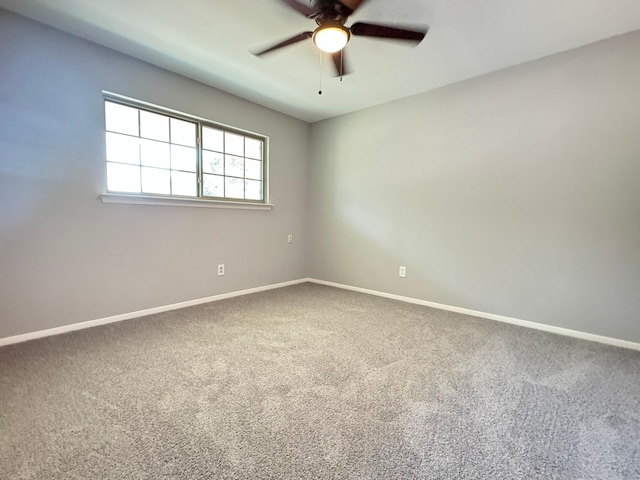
{"x":155,"y":151}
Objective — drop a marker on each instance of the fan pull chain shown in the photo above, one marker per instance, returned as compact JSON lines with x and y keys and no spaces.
{"x":341,"y":65}
{"x":320,"y":91}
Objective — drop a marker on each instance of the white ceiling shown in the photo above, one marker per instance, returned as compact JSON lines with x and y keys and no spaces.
{"x":209,"y":40}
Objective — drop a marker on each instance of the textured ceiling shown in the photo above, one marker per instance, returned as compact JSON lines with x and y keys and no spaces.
{"x":209,"y":40}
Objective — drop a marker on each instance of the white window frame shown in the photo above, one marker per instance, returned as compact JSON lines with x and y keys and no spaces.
{"x":192,"y":201}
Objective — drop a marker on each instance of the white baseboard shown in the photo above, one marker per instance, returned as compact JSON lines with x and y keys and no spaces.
{"x":140,"y":313}
{"x":490,"y":316}
{"x":475,"y":313}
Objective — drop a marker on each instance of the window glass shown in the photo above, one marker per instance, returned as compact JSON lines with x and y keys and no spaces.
{"x":156,"y":180}
{"x":154,"y":126}
{"x":122,"y":119}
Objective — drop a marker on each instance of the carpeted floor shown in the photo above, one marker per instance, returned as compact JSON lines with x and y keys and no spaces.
{"x":314,"y":382}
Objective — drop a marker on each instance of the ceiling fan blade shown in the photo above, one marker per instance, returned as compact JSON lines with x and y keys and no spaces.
{"x":298,"y":38}
{"x":385,"y":31}
{"x":340,"y":62}
{"x":299,"y":7}
{"x":352,"y":5}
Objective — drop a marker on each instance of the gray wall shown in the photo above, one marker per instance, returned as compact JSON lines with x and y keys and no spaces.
{"x":66,"y":257}
{"x":516,"y":193}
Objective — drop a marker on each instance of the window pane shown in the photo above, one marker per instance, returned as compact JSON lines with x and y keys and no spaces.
{"x":156,"y":180}
{"x":151,"y":151}
{"x":183,"y":132}
{"x":253,"y":190}
{"x":155,"y":154}
{"x":253,"y":169}
{"x":233,"y":166}
{"x":184,"y":184}
{"x":123,"y":178}
{"x":233,"y":144}
{"x":234,"y":187}
{"x":212,"y":162}
{"x":122,"y":119}
{"x":213,"y":186}
{"x":122,"y":148}
{"x":212,"y":139}
{"x":183,"y":158}
{"x":253,"y":148}
{"x":155,"y":126}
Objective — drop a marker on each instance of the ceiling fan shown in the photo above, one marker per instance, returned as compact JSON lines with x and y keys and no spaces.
{"x":331,"y":35}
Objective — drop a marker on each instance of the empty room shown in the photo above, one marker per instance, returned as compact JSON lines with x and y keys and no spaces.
{"x":319,"y":239}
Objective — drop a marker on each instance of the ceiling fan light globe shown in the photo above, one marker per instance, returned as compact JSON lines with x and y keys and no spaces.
{"x":331,"y":39}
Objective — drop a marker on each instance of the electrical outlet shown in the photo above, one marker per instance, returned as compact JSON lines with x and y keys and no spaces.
{"x":402,"y":272}
{"x":290,"y":238}
{"x":221,"y":269}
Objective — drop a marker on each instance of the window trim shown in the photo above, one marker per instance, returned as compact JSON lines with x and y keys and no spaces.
{"x":177,"y":201}
{"x":200,"y":200}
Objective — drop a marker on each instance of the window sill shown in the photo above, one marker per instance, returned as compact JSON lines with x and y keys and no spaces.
{"x":181,"y":202}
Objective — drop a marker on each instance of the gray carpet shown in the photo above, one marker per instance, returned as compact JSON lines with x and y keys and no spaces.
{"x":314,"y":382}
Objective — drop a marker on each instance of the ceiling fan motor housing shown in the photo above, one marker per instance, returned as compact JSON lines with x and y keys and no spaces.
{"x":330,"y":11}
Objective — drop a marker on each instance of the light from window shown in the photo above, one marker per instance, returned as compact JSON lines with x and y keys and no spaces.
{"x":156,"y":153}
